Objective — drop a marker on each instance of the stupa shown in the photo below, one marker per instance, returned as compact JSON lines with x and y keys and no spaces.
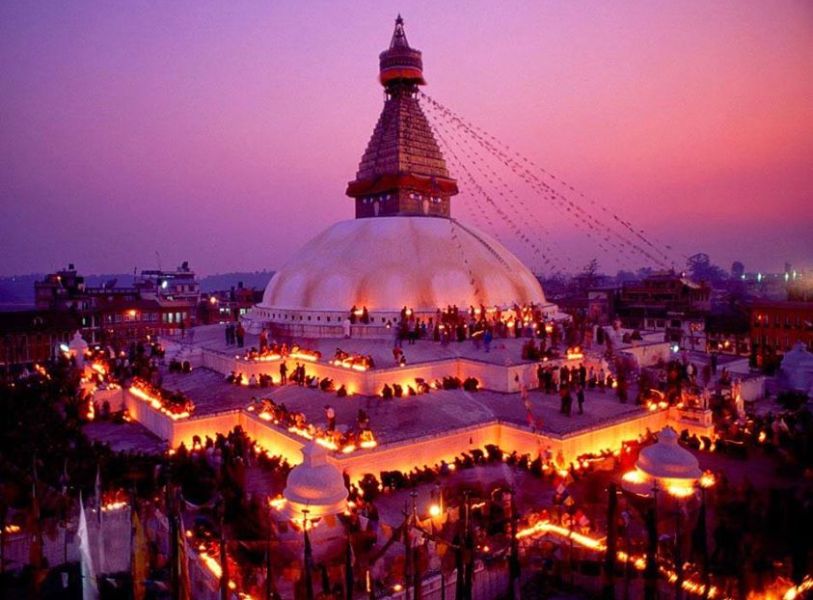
{"x":674,"y":469}
{"x":77,"y":348}
{"x":403,"y":249}
{"x":797,"y":369}
{"x":315,"y":485}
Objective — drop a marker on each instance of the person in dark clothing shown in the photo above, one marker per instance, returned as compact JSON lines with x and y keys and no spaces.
{"x":283,"y":373}
{"x":580,"y":399}
{"x":564,"y":376}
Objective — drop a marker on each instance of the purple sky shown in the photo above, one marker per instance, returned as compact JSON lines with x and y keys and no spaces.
{"x":225,"y":133}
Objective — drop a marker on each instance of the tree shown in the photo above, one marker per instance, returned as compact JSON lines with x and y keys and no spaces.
{"x":589,"y":277}
{"x":700,"y":267}
{"x":737,"y":269}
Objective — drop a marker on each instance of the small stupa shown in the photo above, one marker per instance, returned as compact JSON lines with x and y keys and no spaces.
{"x":77,"y":348}
{"x":315,"y":485}
{"x":674,"y":469}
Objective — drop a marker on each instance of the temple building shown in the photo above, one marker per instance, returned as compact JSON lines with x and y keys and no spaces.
{"x":403,"y":249}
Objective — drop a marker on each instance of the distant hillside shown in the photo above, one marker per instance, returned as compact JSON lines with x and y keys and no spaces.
{"x":17,"y":292}
{"x":224,"y":281}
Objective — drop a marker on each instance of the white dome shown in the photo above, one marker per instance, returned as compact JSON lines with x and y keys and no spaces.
{"x":315,"y":485}
{"x":797,"y":367}
{"x":78,"y":347}
{"x":78,"y":344}
{"x":385,"y":263}
{"x":666,"y":460}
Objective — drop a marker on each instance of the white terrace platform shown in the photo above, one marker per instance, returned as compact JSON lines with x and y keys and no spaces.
{"x":496,"y":370}
{"x":413,"y":430}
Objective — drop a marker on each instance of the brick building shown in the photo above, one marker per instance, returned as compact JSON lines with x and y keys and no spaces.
{"x":776,"y":325}
{"x":226,"y":306}
{"x":157,"y":303}
{"x":665,"y":302}
{"x":31,"y":336}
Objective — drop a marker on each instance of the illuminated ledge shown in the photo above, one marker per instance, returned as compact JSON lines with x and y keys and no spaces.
{"x":419,"y":450}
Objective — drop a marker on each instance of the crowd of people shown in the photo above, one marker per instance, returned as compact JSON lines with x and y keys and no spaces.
{"x":299,"y":376}
{"x":346,"y":359}
{"x":354,"y":434}
{"x":235,"y":334}
{"x":477,"y":323}
{"x":276,"y":350}
{"x":174,"y":402}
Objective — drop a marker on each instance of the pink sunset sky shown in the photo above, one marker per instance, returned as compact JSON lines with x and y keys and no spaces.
{"x":224,"y":133}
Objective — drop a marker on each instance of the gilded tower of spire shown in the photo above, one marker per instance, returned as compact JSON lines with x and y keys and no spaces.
{"x":402,"y":172}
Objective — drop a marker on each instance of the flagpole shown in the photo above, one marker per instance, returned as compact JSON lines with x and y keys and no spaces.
{"x":35,"y":549}
{"x":513,"y":564}
{"x":612,"y":529}
{"x":349,"y":579}
{"x":308,"y":557}
{"x":3,"y":514}
{"x":468,"y":567}
{"x":705,"y":555}
{"x":651,"y":571}
{"x":416,"y":571}
{"x":90,"y":591}
{"x":100,"y":537}
{"x":65,"y":486}
{"x":224,"y":562}
{"x":269,"y":576}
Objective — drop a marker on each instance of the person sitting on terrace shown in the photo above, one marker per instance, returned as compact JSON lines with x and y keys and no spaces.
{"x":362,"y":419}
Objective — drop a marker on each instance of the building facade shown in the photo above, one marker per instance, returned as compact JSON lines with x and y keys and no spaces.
{"x":776,"y":325}
{"x":665,"y":302}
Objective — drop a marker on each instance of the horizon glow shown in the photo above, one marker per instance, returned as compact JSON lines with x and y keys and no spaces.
{"x":225,"y":134}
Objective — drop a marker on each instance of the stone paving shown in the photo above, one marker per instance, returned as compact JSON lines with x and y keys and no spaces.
{"x":125,"y":437}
